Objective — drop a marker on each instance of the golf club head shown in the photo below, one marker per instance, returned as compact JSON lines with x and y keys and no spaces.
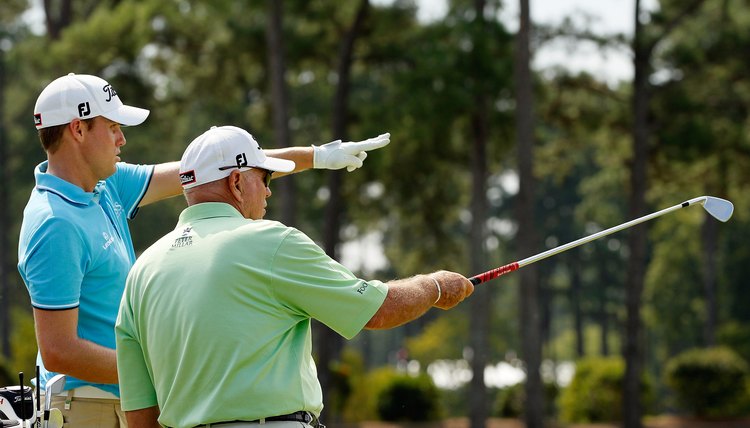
{"x":720,"y":209}
{"x":54,"y":386}
{"x":55,"y":419}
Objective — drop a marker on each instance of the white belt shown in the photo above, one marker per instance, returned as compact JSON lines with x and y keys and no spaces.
{"x":89,"y":391}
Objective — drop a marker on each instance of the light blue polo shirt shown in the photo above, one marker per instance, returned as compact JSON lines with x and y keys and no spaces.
{"x":75,"y":250}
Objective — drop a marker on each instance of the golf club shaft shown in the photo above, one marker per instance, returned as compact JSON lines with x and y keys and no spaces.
{"x":38,"y":399}
{"x":502,"y":270}
{"x":23,"y":398}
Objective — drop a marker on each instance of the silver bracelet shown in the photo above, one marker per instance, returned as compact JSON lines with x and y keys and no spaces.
{"x":437,"y":284}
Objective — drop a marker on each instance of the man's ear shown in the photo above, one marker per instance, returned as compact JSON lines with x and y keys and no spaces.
{"x":76,"y":129}
{"x":234,"y":181}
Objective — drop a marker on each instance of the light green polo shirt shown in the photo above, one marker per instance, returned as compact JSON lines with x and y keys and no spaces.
{"x":214,"y":324}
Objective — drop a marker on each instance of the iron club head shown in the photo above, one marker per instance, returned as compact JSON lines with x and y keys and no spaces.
{"x":720,"y":209}
{"x":54,"y":386}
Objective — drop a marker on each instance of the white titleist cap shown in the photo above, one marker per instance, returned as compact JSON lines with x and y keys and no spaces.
{"x":215,"y":153}
{"x":82,"y":96}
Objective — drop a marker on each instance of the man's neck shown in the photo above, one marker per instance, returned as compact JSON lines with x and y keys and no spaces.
{"x":71,"y":168}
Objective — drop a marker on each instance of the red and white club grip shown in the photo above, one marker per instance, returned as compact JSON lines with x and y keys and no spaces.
{"x":494,"y":273}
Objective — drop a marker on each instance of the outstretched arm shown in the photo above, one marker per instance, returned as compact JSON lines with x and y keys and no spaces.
{"x":165,"y":182}
{"x":408,"y":299}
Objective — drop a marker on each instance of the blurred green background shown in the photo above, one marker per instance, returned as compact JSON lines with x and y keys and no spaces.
{"x":491,"y":161}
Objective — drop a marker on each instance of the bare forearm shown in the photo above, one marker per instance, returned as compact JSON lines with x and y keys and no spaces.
{"x":165,"y":183}
{"x":302,"y":157}
{"x":84,"y":360}
{"x":407,"y":300}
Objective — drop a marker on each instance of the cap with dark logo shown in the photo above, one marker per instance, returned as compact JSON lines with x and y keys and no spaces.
{"x":215,"y":153}
{"x":82,"y":96}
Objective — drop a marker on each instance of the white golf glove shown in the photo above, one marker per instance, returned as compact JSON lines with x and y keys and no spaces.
{"x":337,"y":155}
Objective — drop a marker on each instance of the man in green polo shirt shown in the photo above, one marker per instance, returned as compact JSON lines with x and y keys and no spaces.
{"x":214,"y":325}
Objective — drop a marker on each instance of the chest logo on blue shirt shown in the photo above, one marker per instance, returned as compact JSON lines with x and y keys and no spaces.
{"x":108,"y":240}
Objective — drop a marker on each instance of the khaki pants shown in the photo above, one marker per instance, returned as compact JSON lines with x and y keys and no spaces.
{"x":90,"y":412}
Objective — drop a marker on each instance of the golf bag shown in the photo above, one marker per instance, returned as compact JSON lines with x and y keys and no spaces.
{"x":16,"y":409}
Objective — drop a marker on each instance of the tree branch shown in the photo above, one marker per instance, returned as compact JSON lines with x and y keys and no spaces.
{"x":672,"y":24}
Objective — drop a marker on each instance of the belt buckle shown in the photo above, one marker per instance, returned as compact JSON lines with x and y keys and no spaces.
{"x":308,"y":417}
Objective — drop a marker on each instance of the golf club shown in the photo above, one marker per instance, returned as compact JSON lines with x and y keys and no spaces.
{"x":17,"y":405}
{"x":38,"y":399}
{"x":720,"y":209}
{"x":54,"y":386}
{"x":23,"y":396}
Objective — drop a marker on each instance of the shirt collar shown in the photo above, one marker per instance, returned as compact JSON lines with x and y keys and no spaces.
{"x":207,"y":210}
{"x":65,"y":189}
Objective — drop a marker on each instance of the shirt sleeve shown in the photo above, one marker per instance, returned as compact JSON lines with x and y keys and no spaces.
{"x":54,"y":264}
{"x":310,"y":282}
{"x":131,"y":182}
{"x":136,"y":385}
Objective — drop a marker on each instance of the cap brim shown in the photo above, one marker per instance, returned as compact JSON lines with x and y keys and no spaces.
{"x":278,"y":165}
{"x":127,"y":115}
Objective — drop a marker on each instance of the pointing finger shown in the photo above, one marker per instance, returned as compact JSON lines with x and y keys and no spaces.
{"x":371,"y":143}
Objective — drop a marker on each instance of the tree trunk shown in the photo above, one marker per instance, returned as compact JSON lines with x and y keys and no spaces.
{"x":4,"y":223}
{"x":58,"y":15}
{"x":642,"y":52}
{"x":602,"y":315}
{"x":328,"y":342}
{"x":604,"y":325}
{"x":632,"y":406}
{"x":529,"y":281}
{"x":481,"y":301}
{"x":575,"y":302}
{"x":710,"y":238}
{"x":339,"y":122}
{"x":546,"y":296}
{"x":280,"y":105}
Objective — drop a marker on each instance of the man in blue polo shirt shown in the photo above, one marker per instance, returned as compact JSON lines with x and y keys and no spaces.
{"x":75,"y":248}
